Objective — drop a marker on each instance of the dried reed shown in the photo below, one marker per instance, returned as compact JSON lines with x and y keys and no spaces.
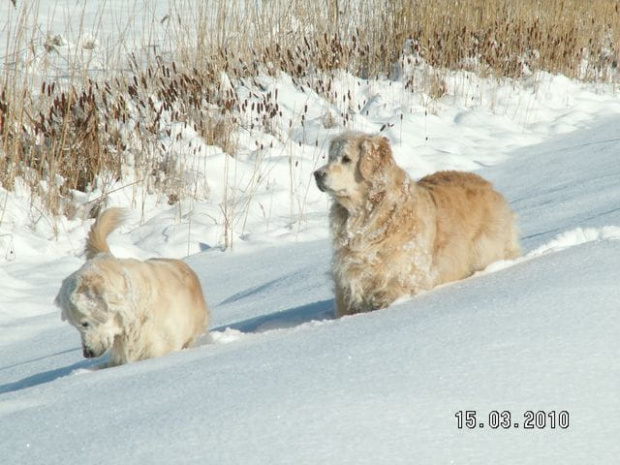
{"x":69,"y":136}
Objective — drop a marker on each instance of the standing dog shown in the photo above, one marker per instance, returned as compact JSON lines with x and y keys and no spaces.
{"x":135,"y":309}
{"x":393,"y":237}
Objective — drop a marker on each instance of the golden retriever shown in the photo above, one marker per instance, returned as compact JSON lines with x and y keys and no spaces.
{"x":135,"y":309}
{"x":394,"y":237}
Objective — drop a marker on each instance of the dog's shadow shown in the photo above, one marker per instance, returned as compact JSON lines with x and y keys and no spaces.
{"x":285,"y":319}
{"x":49,"y":376}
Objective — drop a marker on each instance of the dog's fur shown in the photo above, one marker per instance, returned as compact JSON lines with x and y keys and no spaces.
{"x":393,"y":237}
{"x":135,"y":309}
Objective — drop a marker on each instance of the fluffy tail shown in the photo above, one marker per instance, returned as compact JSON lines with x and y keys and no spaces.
{"x":107,"y":222}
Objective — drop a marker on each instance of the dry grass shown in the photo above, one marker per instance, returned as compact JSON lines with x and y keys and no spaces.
{"x":72,"y":135}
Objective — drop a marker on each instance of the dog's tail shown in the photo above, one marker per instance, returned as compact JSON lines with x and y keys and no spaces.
{"x":107,"y":222}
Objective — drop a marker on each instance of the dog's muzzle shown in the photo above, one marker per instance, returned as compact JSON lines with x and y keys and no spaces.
{"x":87,"y":352}
{"x":319,"y":177}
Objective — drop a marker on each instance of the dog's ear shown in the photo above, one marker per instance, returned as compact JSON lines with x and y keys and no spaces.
{"x":62,"y":298}
{"x":59,"y":302}
{"x":375,"y":156}
{"x":63,"y":309}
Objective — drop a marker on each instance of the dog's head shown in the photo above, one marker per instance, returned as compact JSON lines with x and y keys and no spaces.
{"x":359,"y":166}
{"x":90,"y":300}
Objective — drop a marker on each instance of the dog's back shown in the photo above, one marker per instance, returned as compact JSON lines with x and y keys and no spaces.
{"x":475,"y":225}
{"x":107,"y":222}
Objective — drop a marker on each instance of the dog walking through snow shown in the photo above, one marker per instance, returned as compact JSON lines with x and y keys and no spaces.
{"x":394,"y":237}
{"x":134,"y":309}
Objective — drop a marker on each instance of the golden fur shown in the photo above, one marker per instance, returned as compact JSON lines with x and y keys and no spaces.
{"x":394,"y":237}
{"x":135,"y":309}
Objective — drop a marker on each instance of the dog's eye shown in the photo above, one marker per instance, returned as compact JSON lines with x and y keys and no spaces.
{"x":346,"y":160}
{"x":85,"y":324}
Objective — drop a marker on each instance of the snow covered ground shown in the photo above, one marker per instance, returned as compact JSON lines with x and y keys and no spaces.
{"x":286,"y":383}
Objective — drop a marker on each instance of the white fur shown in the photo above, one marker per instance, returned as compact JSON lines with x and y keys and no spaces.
{"x":133,"y":309}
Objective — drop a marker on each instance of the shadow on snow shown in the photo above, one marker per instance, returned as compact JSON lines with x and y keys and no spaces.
{"x":285,"y":319}
{"x":47,"y":376}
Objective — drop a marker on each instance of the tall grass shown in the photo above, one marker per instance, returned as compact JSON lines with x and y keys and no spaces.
{"x":77,"y":131}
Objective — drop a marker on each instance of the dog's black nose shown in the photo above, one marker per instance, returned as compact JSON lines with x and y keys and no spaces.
{"x":319,"y":174}
{"x":87,"y":352}
{"x":319,"y":177}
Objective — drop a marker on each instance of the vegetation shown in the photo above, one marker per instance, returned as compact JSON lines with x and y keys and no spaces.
{"x":80,"y":131}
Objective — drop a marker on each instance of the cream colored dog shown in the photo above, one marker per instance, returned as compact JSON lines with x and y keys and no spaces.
{"x":393,"y":237}
{"x":135,"y":309}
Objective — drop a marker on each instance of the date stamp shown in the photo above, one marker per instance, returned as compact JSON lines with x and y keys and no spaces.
{"x":504,"y":419}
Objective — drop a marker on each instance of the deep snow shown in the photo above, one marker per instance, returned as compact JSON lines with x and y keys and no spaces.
{"x":289,"y":385}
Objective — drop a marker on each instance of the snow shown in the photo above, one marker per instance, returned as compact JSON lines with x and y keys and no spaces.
{"x":282,"y":381}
